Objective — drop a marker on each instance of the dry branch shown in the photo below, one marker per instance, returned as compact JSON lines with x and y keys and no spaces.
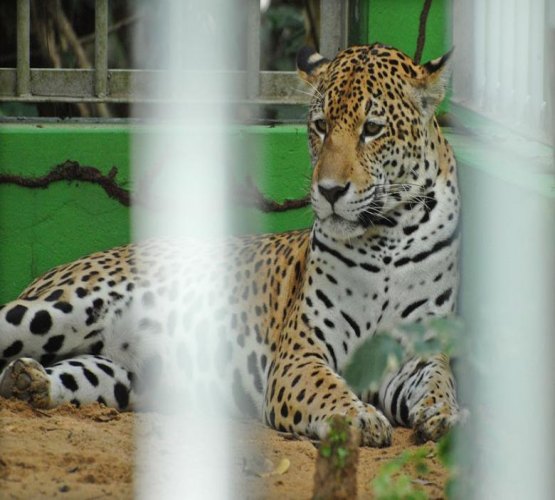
{"x":87,"y":39}
{"x":250,"y":195}
{"x":49,"y":45}
{"x":72,"y":171}
{"x":421,"y":41}
{"x":66,"y":30}
{"x":247,"y":194}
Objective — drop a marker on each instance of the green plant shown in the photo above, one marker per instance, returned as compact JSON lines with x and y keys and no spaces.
{"x":394,"y":481}
{"x":282,"y":34}
{"x":387,"y":349}
{"x":336,"y":444}
{"x":446,"y":454}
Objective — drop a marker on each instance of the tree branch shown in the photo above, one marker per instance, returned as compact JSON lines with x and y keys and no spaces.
{"x":247,"y":194}
{"x":48,"y":44}
{"x":66,"y":30}
{"x":250,"y":195}
{"x":421,"y":41}
{"x":72,"y":171}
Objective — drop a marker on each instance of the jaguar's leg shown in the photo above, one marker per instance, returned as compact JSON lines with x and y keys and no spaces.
{"x":80,"y":380}
{"x":50,"y":330}
{"x":421,"y":395}
{"x":303,"y":392}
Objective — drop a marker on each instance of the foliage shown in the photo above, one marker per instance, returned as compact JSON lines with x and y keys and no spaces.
{"x":370,"y":361}
{"x":283,"y":34}
{"x":445,"y":450}
{"x":336,"y":444}
{"x":454,"y":451}
{"x":385,"y":351}
{"x":399,"y":478}
{"x":393,"y":481}
{"x":17,"y":109}
{"x":447,"y":456}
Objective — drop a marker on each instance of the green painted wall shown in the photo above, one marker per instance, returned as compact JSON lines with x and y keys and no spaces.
{"x":277,"y":160}
{"x":41,"y":228}
{"x":395,"y":23}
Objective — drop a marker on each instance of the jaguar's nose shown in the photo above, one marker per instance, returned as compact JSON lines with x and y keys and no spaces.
{"x":332,"y":193}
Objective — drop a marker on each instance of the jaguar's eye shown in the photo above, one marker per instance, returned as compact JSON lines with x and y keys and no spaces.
{"x":371,"y":129}
{"x":321,"y":126}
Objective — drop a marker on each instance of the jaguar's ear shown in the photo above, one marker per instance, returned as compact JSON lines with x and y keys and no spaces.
{"x":311,"y":65}
{"x":429,"y":90}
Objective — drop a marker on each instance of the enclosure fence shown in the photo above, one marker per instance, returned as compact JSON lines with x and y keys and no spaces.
{"x":102,"y":84}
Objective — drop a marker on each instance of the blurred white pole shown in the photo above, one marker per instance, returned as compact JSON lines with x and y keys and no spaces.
{"x":509,"y":245}
{"x":509,"y":312}
{"x":180,"y":160}
{"x":501,"y":51}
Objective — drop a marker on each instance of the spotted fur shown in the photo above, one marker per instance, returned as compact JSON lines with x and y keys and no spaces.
{"x":382,"y":251}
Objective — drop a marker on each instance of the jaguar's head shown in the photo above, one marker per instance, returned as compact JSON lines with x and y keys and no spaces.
{"x":372,"y":134}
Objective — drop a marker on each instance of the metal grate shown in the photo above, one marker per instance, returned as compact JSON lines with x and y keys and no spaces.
{"x":102,"y":84}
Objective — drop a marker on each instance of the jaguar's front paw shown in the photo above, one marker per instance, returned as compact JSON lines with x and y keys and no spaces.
{"x":375,"y":430}
{"x":26,"y":379}
{"x":371,"y":426}
{"x":431,"y":423}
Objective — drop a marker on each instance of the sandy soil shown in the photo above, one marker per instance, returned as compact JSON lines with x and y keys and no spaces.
{"x":88,"y":453}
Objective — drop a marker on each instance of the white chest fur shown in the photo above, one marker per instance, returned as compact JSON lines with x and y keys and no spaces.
{"x":391,"y":275}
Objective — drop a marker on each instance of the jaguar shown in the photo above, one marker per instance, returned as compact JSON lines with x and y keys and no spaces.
{"x":290,"y":309}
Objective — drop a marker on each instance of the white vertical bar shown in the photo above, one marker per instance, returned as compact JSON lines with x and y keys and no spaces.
{"x":512,"y":327}
{"x":505,"y":77}
{"x":536,"y":62}
{"x":480,"y":24}
{"x":521,"y":27}
{"x":492,"y":62}
{"x":509,"y":233}
{"x":182,"y":166}
{"x":550,"y":71}
{"x":505,"y":16}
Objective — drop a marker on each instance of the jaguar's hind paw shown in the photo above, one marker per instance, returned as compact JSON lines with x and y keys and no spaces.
{"x":26,"y":379}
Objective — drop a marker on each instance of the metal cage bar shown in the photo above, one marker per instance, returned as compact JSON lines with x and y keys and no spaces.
{"x":104,"y":85}
{"x":276,"y":87}
{"x":23,"y":86}
{"x":333,"y":26}
{"x":101,"y":48}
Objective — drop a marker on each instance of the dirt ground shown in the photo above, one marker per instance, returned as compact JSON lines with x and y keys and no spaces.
{"x":88,"y":453}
